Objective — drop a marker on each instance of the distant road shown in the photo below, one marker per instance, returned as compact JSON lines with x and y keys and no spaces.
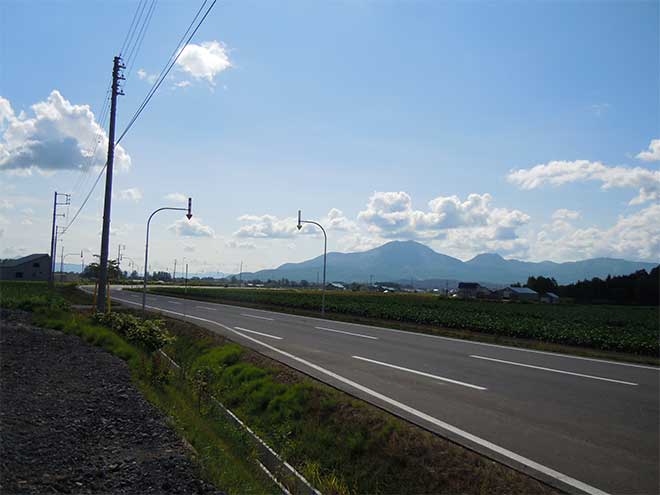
{"x":588,"y":425}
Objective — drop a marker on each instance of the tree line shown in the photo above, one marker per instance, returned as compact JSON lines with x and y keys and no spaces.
{"x":641,"y":287}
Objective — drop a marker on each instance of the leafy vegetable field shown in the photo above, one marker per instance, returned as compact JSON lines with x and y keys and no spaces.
{"x":631,"y":329}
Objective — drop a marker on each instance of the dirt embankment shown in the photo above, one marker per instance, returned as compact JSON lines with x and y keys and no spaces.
{"x":71,"y":421}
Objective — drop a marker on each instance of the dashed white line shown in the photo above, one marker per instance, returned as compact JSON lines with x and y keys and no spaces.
{"x":422,"y":373}
{"x":347,"y":333}
{"x":208,"y":309}
{"x":174,"y":302}
{"x":555,"y":370}
{"x":258,"y":317}
{"x":259,"y":333}
{"x":580,"y":485}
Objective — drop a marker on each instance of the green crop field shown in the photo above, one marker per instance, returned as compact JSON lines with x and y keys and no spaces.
{"x":631,"y":329}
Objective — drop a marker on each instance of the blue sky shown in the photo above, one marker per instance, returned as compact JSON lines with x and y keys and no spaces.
{"x":384,"y":120}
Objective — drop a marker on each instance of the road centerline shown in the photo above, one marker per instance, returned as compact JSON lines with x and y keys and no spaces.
{"x":206,"y":308}
{"x":258,"y":333}
{"x":347,"y":333}
{"x":421,"y":373}
{"x":258,"y":317}
{"x":553,"y":370}
{"x":446,"y":427}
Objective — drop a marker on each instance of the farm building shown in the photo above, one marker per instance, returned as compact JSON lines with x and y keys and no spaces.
{"x":471,"y":290}
{"x":549,"y":298}
{"x":336,"y":286}
{"x":32,"y":267}
{"x":518,"y":294}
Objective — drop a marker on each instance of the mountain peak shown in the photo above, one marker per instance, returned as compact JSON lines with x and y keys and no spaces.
{"x":487,"y":258}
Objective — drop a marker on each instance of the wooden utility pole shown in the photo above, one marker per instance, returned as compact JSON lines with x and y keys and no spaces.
{"x":105,"y":233}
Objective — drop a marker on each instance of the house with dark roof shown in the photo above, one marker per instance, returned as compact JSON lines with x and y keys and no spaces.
{"x":518,"y":294}
{"x":471,"y":290}
{"x":32,"y":267}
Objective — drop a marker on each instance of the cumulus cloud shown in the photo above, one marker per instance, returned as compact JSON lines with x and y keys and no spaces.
{"x":653,"y":153}
{"x":564,"y":214}
{"x":336,"y":220}
{"x":635,"y":236}
{"x":60,"y":136}
{"x":390,"y":214}
{"x":177,"y":197}
{"x":267,"y":226}
{"x":204,"y":61}
{"x":131,"y":194}
{"x":191,"y":228}
{"x":557,"y":173}
{"x":5,"y":204}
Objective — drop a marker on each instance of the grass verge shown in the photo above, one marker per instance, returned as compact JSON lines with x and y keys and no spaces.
{"x":220,"y":448}
{"x":340,"y":444}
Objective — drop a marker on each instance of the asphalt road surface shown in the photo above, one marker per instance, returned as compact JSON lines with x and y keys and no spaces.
{"x":589,"y":426}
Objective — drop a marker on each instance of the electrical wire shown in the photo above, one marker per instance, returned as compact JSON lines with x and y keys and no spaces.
{"x":163,"y":74}
{"x":168,"y":66}
{"x":132,"y":55}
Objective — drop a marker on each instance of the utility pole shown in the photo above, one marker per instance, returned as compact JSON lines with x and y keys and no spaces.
{"x":120,"y":248}
{"x":105,"y":233}
{"x":53,"y":234}
{"x":240,"y":275}
{"x":174,"y":272}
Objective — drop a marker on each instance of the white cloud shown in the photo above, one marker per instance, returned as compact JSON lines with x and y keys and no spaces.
{"x":5,"y":204}
{"x":191,"y":228}
{"x":145,"y":76}
{"x":177,"y":197}
{"x":564,"y":214}
{"x":204,"y":61}
{"x":337,"y":221}
{"x":267,"y":226}
{"x":131,"y":194}
{"x":653,"y":153}
{"x":182,"y":84}
{"x":635,"y":236}
{"x":60,"y":136}
{"x":391,"y":215}
{"x":557,"y":173}
{"x":231,"y":244}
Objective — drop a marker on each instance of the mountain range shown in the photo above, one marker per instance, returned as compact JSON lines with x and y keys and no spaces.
{"x":405,"y":260}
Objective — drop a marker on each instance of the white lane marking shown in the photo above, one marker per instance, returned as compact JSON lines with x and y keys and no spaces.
{"x":555,"y":370}
{"x":174,"y":302}
{"x":347,"y":333}
{"x":258,"y":333}
{"x":422,"y":373}
{"x":451,"y":339}
{"x":591,"y":490}
{"x":259,"y":317}
{"x":204,"y":307}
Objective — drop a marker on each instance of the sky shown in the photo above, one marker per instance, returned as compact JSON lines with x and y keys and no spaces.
{"x":530,"y":129}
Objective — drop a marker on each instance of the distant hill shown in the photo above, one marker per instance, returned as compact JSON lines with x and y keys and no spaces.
{"x":406,"y":260}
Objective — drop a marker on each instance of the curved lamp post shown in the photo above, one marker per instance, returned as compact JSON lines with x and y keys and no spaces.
{"x":325,"y":249}
{"x":62,"y":262}
{"x":146,"y":247}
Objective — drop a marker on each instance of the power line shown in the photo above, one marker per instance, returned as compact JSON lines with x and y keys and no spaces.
{"x":85,"y":201}
{"x":132,"y":55}
{"x":132,"y":28}
{"x":168,"y":66}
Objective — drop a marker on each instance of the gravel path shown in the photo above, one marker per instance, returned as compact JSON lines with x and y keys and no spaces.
{"x":71,"y":421}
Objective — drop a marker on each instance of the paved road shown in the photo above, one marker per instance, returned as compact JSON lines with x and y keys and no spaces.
{"x":589,"y":425}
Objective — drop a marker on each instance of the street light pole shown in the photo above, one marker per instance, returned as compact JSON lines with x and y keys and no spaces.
{"x":146,"y":247}
{"x":325,"y":250}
